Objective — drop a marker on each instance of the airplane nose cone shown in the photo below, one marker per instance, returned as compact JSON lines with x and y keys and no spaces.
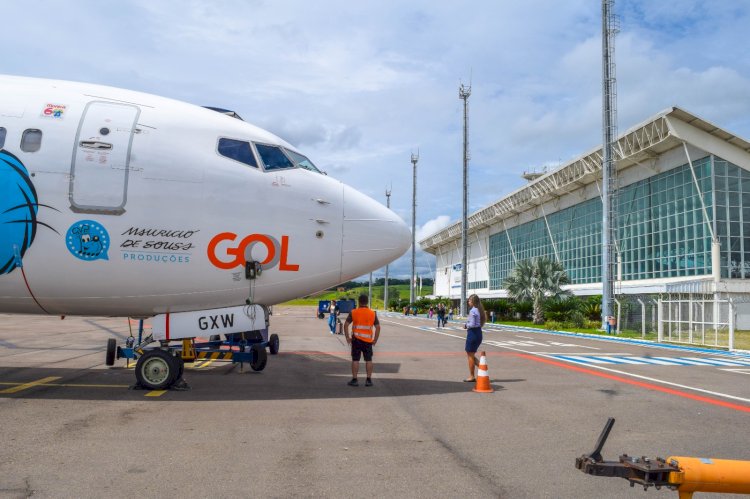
{"x":373,"y":235}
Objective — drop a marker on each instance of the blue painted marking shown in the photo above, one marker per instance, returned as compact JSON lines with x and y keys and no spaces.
{"x":679,"y":361}
{"x":612,"y":360}
{"x":572,"y":359}
{"x":652,"y":361}
{"x":723,"y":363}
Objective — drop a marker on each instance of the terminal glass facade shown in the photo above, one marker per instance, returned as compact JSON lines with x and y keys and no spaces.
{"x":662,"y":230}
{"x":732,"y":204}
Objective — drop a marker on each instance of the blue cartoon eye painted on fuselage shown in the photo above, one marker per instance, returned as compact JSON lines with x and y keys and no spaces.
{"x":18,"y":211}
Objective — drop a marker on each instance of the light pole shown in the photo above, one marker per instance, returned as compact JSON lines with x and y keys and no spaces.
{"x":609,"y":166}
{"x":463,"y":93}
{"x":385,"y":290}
{"x":412,"y":283}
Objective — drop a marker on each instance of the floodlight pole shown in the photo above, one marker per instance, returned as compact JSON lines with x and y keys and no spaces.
{"x":463,"y":93}
{"x":609,"y":166}
{"x":385,"y":290}
{"x":412,"y":282}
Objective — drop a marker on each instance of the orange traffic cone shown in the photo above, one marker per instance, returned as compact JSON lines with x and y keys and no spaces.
{"x":483,"y":377}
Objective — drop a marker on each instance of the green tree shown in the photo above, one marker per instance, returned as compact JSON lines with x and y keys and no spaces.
{"x":537,"y":279}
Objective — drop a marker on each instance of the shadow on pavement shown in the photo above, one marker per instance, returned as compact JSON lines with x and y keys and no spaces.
{"x":312,"y":375}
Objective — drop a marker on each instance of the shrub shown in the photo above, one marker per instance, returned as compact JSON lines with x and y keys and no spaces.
{"x":577,"y":319}
{"x":525,"y":308}
{"x":554,"y":325}
{"x":566,"y":309}
{"x":593,"y":325}
{"x":592,"y":307}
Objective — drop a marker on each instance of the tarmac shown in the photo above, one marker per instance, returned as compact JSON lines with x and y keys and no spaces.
{"x":71,"y":426}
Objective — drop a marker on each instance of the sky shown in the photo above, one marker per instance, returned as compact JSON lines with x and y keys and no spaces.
{"x":359,"y":86}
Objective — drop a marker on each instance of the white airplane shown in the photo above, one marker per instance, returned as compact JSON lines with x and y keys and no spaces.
{"x":120,"y":203}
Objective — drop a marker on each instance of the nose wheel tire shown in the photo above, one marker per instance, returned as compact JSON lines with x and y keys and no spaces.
{"x":259,"y":358}
{"x":273,"y":344}
{"x":156,"y":370}
{"x":111,"y":350}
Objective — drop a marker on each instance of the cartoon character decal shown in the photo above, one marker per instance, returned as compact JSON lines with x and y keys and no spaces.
{"x":18,"y":212}
{"x":88,"y":240}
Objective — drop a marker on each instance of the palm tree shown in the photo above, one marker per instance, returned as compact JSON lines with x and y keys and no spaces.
{"x":537,"y":279}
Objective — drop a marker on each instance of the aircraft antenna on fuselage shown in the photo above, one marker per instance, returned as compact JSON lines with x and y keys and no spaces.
{"x":225,"y":111}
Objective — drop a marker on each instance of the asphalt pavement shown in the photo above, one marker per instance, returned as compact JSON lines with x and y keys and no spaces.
{"x":72,"y":427}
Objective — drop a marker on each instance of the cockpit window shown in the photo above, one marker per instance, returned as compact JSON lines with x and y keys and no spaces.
{"x":237,"y":150}
{"x":273,"y":157}
{"x":302,"y":161}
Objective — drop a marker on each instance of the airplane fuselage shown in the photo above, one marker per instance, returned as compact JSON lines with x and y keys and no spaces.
{"x":115,"y":202}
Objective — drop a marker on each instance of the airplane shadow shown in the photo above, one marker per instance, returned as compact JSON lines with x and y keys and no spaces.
{"x":313,"y":375}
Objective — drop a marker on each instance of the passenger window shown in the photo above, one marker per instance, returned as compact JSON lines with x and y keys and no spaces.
{"x":31,"y":141}
{"x":273,"y":157}
{"x":302,"y":161}
{"x":237,"y":150}
{"x":3,"y":132}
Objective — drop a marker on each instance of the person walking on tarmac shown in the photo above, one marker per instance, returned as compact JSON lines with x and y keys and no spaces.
{"x":365,"y":333}
{"x":333,"y":312}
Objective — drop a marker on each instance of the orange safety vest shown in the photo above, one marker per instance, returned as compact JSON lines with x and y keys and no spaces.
{"x":363,"y":320}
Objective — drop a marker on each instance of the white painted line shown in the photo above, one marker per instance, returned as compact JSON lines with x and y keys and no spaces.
{"x":734,"y":362}
{"x":622,"y":360}
{"x":496,"y":343}
{"x":682,"y":361}
{"x":585,"y":360}
{"x":652,"y":360}
{"x":583,"y":353}
{"x":739,"y":371}
{"x":712,"y":362}
{"x":661,"y":381}
{"x":572,"y":345}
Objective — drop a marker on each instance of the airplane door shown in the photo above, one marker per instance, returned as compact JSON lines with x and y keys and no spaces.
{"x":101,"y":157}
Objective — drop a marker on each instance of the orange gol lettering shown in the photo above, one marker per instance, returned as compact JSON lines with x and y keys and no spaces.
{"x":237,"y":254}
{"x":282,"y":264}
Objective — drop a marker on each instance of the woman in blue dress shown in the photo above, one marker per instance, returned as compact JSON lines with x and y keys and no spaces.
{"x":473,"y":328}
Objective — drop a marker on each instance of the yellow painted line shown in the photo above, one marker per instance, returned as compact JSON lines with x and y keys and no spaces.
{"x":67,"y":385}
{"x":32,"y":384}
{"x":156,"y":393}
{"x":83,"y":385}
{"x":206,"y":363}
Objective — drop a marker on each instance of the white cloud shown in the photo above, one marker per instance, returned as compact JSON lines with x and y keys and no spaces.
{"x":432,"y":226}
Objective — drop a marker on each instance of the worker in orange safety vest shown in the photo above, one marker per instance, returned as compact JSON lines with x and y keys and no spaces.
{"x":365,"y":333}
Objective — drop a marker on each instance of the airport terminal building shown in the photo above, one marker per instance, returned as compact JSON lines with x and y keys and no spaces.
{"x":683,"y":227}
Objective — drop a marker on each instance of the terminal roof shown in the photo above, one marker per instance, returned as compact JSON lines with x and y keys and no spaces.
{"x":639,"y":144}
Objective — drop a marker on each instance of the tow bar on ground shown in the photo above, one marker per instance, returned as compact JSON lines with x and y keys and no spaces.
{"x":686,"y":475}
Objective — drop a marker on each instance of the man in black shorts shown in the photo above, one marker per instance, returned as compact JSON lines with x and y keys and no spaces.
{"x":363,"y":321}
